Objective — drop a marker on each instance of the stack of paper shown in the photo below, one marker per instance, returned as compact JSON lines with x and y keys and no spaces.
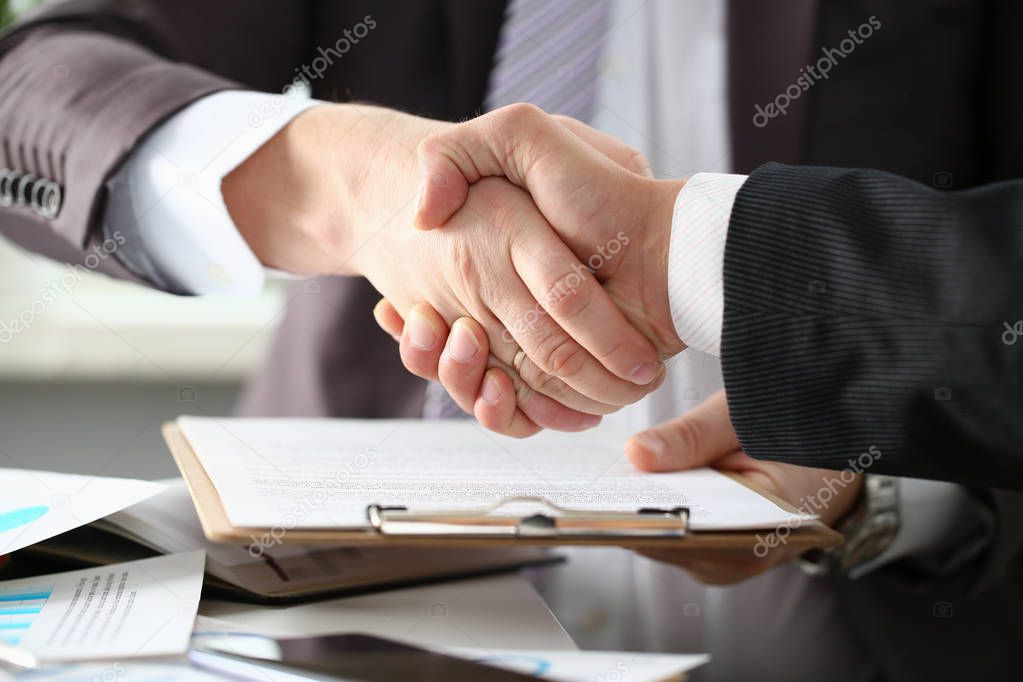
{"x":36,"y":505}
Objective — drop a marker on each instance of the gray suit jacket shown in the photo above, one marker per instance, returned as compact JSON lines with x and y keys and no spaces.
{"x":934,"y":91}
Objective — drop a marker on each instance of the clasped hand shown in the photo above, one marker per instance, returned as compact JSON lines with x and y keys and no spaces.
{"x":571,"y":342}
{"x":597,"y":196}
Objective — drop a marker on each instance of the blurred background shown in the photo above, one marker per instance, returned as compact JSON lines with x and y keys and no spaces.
{"x":102,"y":364}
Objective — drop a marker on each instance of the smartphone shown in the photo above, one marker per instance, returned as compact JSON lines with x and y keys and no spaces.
{"x":335,"y":657}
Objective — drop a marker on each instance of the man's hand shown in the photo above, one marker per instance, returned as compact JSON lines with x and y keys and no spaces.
{"x":335,"y":193}
{"x":597,"y":194}
{"x":461,"y":361}
{"x":705,"y":437}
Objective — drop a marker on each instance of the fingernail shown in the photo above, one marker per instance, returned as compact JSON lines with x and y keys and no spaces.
{"x":420,"y":331}
{"x":644,"y":374}
{"x":491,"y":391}
{"x":462,"y":344}
{"x":653,"y":443}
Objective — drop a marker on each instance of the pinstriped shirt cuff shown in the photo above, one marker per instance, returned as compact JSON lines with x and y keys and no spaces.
{"x":696,"y":258}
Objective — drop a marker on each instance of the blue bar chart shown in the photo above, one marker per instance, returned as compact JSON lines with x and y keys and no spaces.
{"x":18,"y":610}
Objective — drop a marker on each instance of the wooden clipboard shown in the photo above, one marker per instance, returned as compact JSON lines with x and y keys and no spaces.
{"x":217,"y":527}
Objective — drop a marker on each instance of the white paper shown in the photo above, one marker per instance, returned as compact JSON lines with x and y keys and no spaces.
{"x":320,"y":473}
{"x":119,"y":671}
{"x":138,"y":608}
{"x":36,"y":505}
{"x":586,"y":666}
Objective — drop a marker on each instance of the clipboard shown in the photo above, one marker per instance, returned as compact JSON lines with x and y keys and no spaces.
{"x":653,"y":529}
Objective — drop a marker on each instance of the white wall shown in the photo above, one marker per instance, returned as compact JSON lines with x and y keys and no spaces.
{"x":89,"y":367}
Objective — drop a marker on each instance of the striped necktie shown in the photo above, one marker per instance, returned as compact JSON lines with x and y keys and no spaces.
{"x":548,"y":54}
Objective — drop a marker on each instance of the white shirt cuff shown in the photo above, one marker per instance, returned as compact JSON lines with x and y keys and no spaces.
{"x":165,"y":202}
{"x":696,"y":258}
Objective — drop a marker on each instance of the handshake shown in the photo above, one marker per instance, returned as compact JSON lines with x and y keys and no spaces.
{"x":536,"y":287}
{"x":562,"y":310}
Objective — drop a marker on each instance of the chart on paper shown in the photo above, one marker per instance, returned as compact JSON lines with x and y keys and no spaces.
{"x":21,"y":517}
{"x":37,"y":505}
{"x":134,"y":609}
{"x":19,"y":609}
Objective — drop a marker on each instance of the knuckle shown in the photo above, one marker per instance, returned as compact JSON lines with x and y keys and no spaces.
{"x":545,"y":383}
{"x":520,"y":113}
{"x":431,"y":145}
{"x":562,"y":357}
{"x":617,"y":348}
{"x":553,"y":387}
{"x":637,"y":162}
{"x":569,"y":295}
{"x":519,"y":128}
{"x":688,"y":436}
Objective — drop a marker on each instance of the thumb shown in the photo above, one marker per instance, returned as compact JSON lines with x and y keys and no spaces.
{"x":697,"y":438}
{"x":446,"y":172}
{"x":457,"y":156}
{"x":506,"y":142}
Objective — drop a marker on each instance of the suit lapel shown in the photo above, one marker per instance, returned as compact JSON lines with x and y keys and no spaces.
{"x":769,"y":42}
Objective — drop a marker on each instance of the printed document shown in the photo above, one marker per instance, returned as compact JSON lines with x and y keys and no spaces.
{"x":138,"y":608}
{"x":322,"y":473}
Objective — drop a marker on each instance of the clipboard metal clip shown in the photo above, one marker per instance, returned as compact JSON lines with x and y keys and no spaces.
{"x":553,"y":521}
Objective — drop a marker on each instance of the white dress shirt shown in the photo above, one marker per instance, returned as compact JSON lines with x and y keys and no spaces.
{"x":663,"y":90}
{"x":166,"y":201}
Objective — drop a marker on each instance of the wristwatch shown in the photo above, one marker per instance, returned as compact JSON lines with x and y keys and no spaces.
{"x":868,"y":531}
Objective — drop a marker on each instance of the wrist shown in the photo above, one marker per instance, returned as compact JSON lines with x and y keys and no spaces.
{"x":848,"y":504}
{"x":362,"y":176}
{"x":275,"y":199}
{"x":658,"y":225}
{"x":309,"y":199}
{"x":380,"y":185}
